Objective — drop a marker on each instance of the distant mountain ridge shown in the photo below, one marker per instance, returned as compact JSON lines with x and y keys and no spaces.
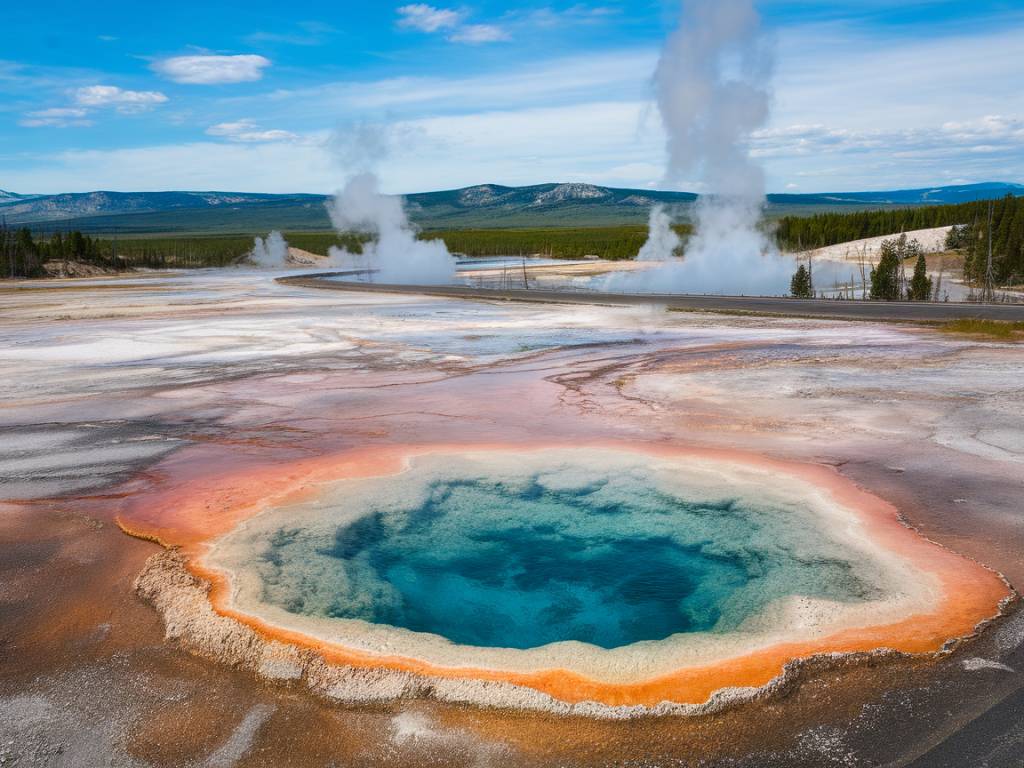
{"x":961,"y":193}
{"x":507,"y":206}
{"x":10,"y":196}
{"x":485,"y":205}
{"x":27,"y":208}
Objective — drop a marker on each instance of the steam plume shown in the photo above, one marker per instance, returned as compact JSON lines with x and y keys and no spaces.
{"x":662,"y":241}
{"x":712,"y":91}
{"x":271,"y":252}
{"x":394,"y":253}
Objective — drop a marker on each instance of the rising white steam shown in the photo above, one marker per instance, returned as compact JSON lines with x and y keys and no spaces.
{"x":271,"y":252}
{"x":394,"y":254}
{"x":712,"y":89}
{"x":662,"y":241}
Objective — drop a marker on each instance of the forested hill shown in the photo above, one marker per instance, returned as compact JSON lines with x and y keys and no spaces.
{"x":972,"y":222}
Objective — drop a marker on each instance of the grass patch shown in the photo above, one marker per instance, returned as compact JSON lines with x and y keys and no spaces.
{"x":995,"y":329}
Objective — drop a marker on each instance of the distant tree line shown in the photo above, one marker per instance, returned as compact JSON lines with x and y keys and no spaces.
{"x":970,"y":235}
{"x":23,"y":255}
{"x":620,"y":242}
{"x":613,"y":243}
{"x":180,"y":252}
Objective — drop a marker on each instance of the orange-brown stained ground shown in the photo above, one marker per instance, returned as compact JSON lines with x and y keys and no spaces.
{"x":214,"y":500}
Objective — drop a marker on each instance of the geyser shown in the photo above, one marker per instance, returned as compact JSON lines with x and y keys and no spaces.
{"x":394,"y":253}
{"x":712,"y":93}
{"x":271,"y":252}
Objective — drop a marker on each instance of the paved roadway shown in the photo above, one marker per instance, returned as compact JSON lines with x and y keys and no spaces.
{"x":821,"y":308}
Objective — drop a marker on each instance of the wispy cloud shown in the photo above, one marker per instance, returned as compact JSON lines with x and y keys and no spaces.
{"x":212,"y":70}
{"x":990,"y":134}
{"x":56,"y":117}
{"x":88,"y":99}
{"x":427,"y":18}
{"x":196,"y":165}
{"x":594,"y":142}
{"x":476,"y":34}
{"x":621,"y":75}
{"x":126,"y":102}
{"x":308,"y":33}
{"x":249,"y":132}
{"x":558,"y":18}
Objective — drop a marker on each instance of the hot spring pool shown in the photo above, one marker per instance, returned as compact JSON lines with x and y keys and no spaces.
{"x":522,"y":550}
{"x":604,"y":580}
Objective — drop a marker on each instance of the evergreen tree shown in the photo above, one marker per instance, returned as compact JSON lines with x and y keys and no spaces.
{"x":885,"y":278}
{"x":24,"y":245}
{"x":800,"y":285}
{"x":76,"y":246}
{"x":920,"y":284}
{"x":958,"y":237}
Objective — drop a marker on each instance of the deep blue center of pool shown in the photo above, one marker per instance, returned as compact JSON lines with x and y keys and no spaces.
{"x":482,"y":565}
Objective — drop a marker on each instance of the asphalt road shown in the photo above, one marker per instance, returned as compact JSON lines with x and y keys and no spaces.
{"x":819,"y":308}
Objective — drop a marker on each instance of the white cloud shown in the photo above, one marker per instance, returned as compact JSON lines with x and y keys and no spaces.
{"x":124,"y":101}
{"x":212,"y":70}
{"x":427,"y":18}
{"x":476,"y":34}
{"x":248,"y":131}
{"x":58,"y":117}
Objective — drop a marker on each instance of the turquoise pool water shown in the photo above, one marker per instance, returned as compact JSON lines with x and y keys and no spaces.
{"x":530,"y":558}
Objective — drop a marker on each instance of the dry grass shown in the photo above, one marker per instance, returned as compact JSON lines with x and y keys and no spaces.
{"x":995,"y":329}
{"x":951,"y":261}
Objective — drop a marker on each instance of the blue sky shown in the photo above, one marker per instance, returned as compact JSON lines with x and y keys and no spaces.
{"x":279,"y":97}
